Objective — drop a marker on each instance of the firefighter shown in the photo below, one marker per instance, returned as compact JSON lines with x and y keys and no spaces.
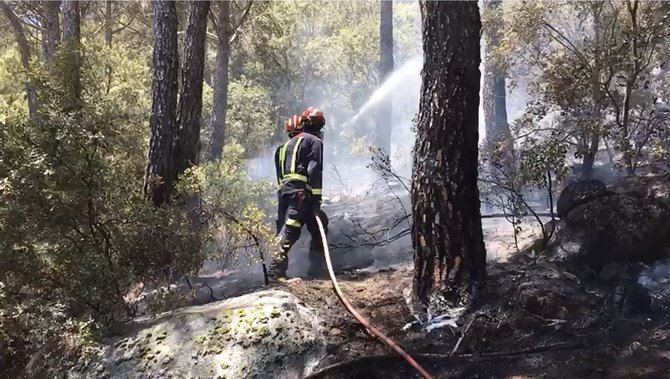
{"x":292,"y":127}
{"x":299,"y":166}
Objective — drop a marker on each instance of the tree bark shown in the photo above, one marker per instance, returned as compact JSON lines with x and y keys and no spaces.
{"x":385,"y":108}
{"x":72,"y":53}
{"x":447,"y":231}
{"x":498,"y":135}
{"x":71,"y":22}
{"x":109,"y":24}
{"x":109,"y":39}
{"x":163,"y":123}
{"x":220,"y":106}
{"x":51,"y":34}
{"x":631,"y":78}
{"x":24,"y":53}
{"x":187,"y":146}
{"x":591,"y":136}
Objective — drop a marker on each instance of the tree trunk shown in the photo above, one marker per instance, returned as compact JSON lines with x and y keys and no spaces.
{"x":109,"y":24}
{"x":190,"y":97}
{"x":72,"y":54}
{"x":51,"y":33}
{"x":591,"y":135}
{"x":24,"y":53}
{"x":498,"y":135}
{"x":626,"y":145}
{"x":385,"y":110}
{"x":71,"y":23}
{"x":109,"y":39}
{"x":590,"y":154}
{"x":163,"y":123}
{"x":447,"y":230}
{"x":219,"y":108}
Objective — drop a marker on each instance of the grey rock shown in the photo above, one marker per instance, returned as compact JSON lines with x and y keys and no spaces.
{"x":630,"y":222}
{"x":579,"y":193}
{"x":655,"y":188}
{"x":620,"y":228}
{"x":246,"y":336}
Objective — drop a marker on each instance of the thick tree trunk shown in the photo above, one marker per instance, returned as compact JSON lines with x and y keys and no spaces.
{"x":385,"y":110}
{"x":72,"y":53}
{"x":447,"y":230}
{"x":498,"y":135}
{"x":187,"y":147}
{"x":71,"y":23}
{"x":51,"y":32}
{"x":220,"y":106}
{"x":163,"y":123}
{"x":24,"y":53}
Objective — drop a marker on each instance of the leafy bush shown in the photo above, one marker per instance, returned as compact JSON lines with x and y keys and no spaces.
{"x":249,"y":110}
{"x":12,"y":92}
{"x":233,"y":205}
{"x":77,"y":232}
{"x":78,"y":236}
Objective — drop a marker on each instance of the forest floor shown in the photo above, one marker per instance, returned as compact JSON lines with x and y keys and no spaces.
{"x":537,"y":320}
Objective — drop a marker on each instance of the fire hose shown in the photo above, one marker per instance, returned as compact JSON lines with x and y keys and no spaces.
{"x":371,"y":329}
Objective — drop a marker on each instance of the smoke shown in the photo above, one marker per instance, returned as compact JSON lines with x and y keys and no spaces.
{"x":353,"y":192}
{"x":346,"y":144}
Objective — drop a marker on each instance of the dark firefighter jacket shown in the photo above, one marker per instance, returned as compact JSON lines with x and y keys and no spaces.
{"x":299,"y":164}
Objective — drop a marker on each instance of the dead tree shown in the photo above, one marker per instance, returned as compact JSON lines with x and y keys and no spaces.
{"x":384,"y":111}
{"x":446,"y":230}
{"x":163,"y":123}
{"x":190,"y":97}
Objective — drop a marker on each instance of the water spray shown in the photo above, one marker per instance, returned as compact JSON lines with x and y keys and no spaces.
{"x":411,"y":68}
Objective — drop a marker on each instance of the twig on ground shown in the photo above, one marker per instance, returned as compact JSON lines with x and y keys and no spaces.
{"x":458,"y":343}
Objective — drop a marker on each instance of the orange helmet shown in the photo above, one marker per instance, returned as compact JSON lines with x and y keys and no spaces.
{"x":292,"y":125}
{"x":313,"y":116}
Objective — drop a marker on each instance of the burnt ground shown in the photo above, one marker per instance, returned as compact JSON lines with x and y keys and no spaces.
{"x":538,"y":320}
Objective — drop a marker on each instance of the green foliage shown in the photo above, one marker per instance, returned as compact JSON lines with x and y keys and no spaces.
{"x":249,"y":113}
{"x":77,"y":232}
{"x":595,"y":69}
{"x":233,"y":204}
{"x":75,"y":217}
{"x":13,"y":105}
{"x":320,"y":53}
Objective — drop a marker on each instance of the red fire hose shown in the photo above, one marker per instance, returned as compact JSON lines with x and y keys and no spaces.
{"x":371,"y":329}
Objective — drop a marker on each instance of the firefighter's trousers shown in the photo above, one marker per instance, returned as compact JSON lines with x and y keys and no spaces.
{"x":296,"y":210}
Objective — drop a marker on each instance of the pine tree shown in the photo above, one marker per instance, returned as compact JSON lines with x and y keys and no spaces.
{"x":447,"y":230}
{"x":187,"y":147}
{"x":163,"y":122}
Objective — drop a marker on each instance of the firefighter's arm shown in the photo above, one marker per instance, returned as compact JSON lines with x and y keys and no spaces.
{"x":277,"y":166}
{"x":315,"y":169}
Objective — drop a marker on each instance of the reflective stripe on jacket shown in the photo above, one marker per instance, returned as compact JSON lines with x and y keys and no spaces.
{"x":299,"y":164}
